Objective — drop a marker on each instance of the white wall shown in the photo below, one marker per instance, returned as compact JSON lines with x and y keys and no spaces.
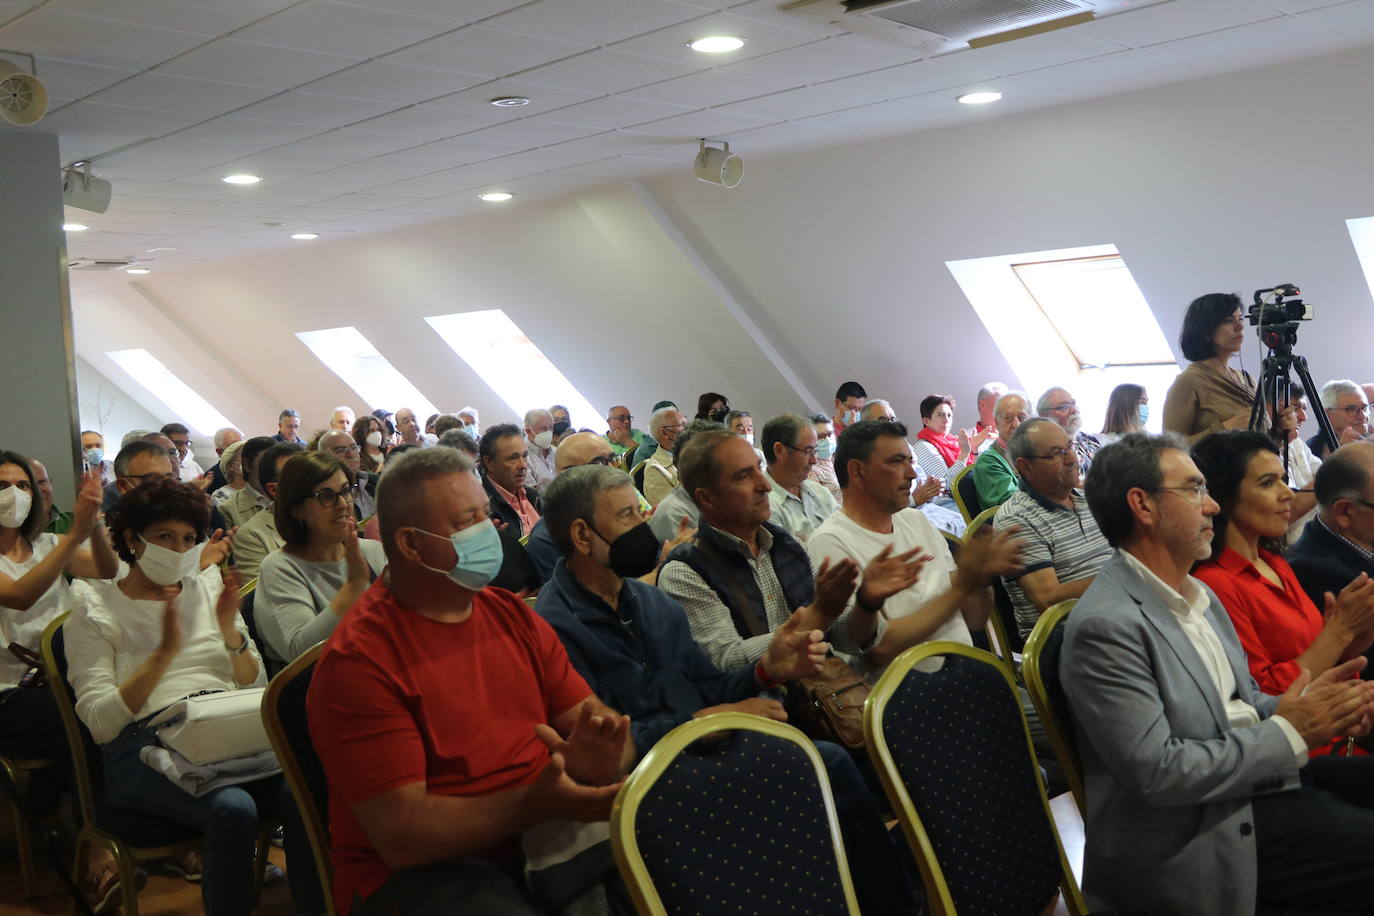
{"x":107,"y":408}
{"x":1227,"y":183}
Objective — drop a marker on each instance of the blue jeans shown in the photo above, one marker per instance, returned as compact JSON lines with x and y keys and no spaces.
{"x":228,"y":816}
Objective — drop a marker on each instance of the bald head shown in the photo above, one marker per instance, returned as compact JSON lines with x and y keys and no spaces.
{"x":342,"y":446}
{"x":1013,"y":409}
{"x":579,"y":449}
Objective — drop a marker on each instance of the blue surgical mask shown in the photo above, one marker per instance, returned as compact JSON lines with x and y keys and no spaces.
{"x":94,"y":456}
{"x":470,"y":429}
{"x":825,"y":448}
{"x":1144,"y":414}
{"x":477,"y":555}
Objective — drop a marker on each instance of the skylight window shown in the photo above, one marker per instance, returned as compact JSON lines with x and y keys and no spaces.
{"x":1073,"y":318}
{"x":509,"y":362}
{"x":165,"y":388}
{"x":353,"y":358}
{"x":1362,"y":234}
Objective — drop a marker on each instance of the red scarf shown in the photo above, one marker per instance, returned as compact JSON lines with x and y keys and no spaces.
{"x":946,"y":444}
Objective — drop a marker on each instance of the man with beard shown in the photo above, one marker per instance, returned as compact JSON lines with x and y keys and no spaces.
{"x":1058,"y":405}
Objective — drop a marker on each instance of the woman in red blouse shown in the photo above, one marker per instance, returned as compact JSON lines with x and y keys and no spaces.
{"x":1280,"y":628}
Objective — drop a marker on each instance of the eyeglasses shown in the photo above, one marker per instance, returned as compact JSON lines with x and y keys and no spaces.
{"x":1354,"y":410}
{"x":677,"y":428}
{"x":328,"y":499}
{"x":1056,"y":454}
{"x":1199,"y":490}
{"x":625,"y":418}
{"x":1067,"y":405}
{"x":342,"y":450}
{"x":809,"y":451}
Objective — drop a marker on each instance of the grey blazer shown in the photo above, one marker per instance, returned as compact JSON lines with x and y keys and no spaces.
{"x":1168,"y":781}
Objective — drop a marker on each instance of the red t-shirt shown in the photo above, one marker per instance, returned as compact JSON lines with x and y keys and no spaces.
{"x":398,"y":698}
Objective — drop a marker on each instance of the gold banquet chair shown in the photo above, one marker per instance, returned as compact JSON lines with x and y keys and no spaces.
{"x":1040,"y":670}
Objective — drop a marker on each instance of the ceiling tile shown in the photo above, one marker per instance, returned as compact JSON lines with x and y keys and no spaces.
{"x":477,"y":100}
{"x":435,"y":184}
{"x":593,"y":22}
{"x":706,"y":88}
{"x":883,"y":118}
{"x":822,"y":60}
{"x":458,"y":202}
{"x":905,"y":80}
{"x":68,"y":80}
{"x":1355,"y":18}
{"x":207,"y":17}
{"x":671,"y":43}
{"x":49,"y":33}
{"x":795,"y":103}
{"x":616,"y":143}
{"x":1299,"y":6}
{"x":320,"y":213}
{"x":1016,"y":95}
{"x":1269,"y":39}
{"x":486,"y":52}
{"x":603,"y":72}
{"x":466,"y":11}
{"x":259,"y":65}
{"x":787,"y":136}
{"x":618,"y":168}
{"x":315,"y":110}
{"x":710,"y":124}
{"x":425,"y":123}
{"x":612,"y":111}
{"x":98,"y":118}
{"x":337,"y":28}
{"x":181,"y":94}
{"x":1030,"y":53}
{"x":454,"y":151}
{"x":363,"y":201}
{"x":325,"y":150}
{"x":390,"y":82}
{"x":233,"y":137}
{"x":525,"y":134}
{"x":767,"y":11}
{"x":1136,"y":68}
{"x":1150,"y":25}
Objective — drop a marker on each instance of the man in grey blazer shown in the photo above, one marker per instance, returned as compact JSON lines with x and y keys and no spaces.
{"x":1201,"y":796}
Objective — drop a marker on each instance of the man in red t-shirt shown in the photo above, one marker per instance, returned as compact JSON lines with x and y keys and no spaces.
{"x":447,"y":716}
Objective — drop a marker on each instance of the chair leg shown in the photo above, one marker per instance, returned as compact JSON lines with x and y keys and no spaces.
{"x":260,"y":861}
{"x":128,"y":887}
{"x":80,"y":867}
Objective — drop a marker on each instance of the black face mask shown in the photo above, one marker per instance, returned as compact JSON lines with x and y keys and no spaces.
{"x":561,"y":427}
{"x":719,"y":414}
{"x":634,"y":553}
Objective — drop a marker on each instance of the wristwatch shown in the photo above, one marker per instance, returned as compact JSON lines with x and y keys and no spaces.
{"x":242,"y":648}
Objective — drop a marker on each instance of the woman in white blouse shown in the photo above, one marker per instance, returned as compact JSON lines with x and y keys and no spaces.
{"x":165,"y":631}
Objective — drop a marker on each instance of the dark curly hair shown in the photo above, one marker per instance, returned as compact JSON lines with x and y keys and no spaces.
{"x":1223,"y":458}
{"x":161,"y":499}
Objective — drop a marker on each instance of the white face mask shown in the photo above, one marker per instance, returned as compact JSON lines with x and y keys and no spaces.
{"x":14,"y":506}
{"x":543,"y":440}
{"x":374,"y":439}
{"x":164,"y":566}
{"x":749,"y":437}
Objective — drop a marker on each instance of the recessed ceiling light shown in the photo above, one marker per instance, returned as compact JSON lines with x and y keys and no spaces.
{"x":495,"y":197}
{"x":74,"y":227}
{"x":137,"y":270}
{"x":716,"y":44}
{"x":508,"y":101}
{"x":981,"y":97}
{"x":240,"y":179}
{"x":305,"y":236}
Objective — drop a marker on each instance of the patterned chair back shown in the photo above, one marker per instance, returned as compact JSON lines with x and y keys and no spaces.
{"x":742,"y":821}
{"x":953,"y":753}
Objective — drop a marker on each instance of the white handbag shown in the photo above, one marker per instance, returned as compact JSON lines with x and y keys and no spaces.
{"x":213,"y":727}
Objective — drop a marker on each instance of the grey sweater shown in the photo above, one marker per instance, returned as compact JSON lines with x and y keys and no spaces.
{"x":291,"y":608}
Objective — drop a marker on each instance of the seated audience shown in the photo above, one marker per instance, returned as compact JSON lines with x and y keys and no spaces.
{"x":799,"y":505}
{"x":650,"y":444}
{"x":927,"y":493}
{"x":576,"y":451}
{"x":306,"y":587}
{"x":289,"y":427}
{"x":224,"y":438}
{"x":137,"y":645}
{"x":34,"y":566}
{"x":1128,"y":410}
{"x":1059,"y":406}
{"x":458,"y":438}
{"x":471,"y":423}
{"x":938,"y":452}
{"x":677,"y":513}
{"x":620,"y":433}
{"x":909,"y":580}
{"x":1282,"y":630}
{"x":429,"y":424}
{"x":743,"y":577}
{"x":994,"y":478}
{"x":987,"y":408}
{"x":55,"y":520}
{"x":1063,"y":548}
{"x":877,"y":409}
{"x":230,"y":467}
{"x":258,"y":536}
{"x":711,"y":406}
{"x":823,"y":471}
{"x":1348,"y":410}
{"x":180,"y":437}
{"x":370,"y":434}
{"x":1201,"y":797}
{"x":162,"y":441}
{"x":409,"y":429}
{"x":93,"y":452}
{"x":1209,"y":396}
{"x":741,"y":422}
{"x":446,"y":421}
{"x":539,"y":448}
{"x":342,"y":419}
{"x":250,"y":499}
{"x":137,"y":462}
{"x":429,"y":786}
{"x":560,"y":414}
{"x":340,"y":444}
{"x":1337,"y":546}
{"x":1302,"y":466}
{"x":504,"y":472}
{"x":660,"y":474}
{"x":850,"y":398}
{"x":631,"y":644}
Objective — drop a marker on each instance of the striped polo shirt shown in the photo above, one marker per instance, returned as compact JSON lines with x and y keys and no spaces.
{"x":1068,"y":540}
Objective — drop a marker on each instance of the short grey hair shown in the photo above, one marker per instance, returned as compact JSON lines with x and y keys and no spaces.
{"x":991,"y":389}
{"x":534,"y":413}
{"x":222,"y":434}
{"x":459,"y":439}
{"x":400,"y":490}
{"x":134,"y":435}
{"x":573,"y":494}
{"x":1130,"y":462}
{"x":690,"y":430}
{"x":872,"y":403}
{"x":1331,"y":392}
{"x":1020,"y":444}
{"x":288,"y":412}
{"x":657,"y":420}
{"x":997,"y":408}
{"x":1043,"y":404}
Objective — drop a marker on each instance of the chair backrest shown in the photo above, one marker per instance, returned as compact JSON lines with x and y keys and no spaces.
{"x":692,"y":823}
{"x":954,"y":755}
{"x":1040,"y":668}
{"x":1003,"y":623}
{"x":966,"y":494}
{"x":637,"y":475}
{"x":283,"y":714}
{"x":87,"y":770}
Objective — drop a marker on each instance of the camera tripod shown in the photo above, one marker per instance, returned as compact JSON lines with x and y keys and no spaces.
{"x":1272,"y":392}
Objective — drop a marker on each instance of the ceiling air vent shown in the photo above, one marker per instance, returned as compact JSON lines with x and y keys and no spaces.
{"x":99,"y":263}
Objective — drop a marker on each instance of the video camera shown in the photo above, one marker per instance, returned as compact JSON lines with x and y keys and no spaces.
{"x":1276,"y":312}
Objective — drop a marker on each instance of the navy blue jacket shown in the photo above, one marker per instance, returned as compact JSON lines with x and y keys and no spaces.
{"x":544,"y":553}
{"x":651,"y":670}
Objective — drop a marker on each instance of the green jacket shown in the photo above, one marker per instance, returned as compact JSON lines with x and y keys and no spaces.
{"x":993,"y":477}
